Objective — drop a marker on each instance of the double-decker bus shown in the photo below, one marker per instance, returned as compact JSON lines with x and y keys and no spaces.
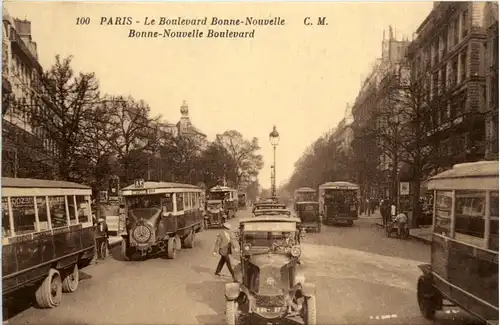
{"x":47,"y":236}
{"x":161,"y":218}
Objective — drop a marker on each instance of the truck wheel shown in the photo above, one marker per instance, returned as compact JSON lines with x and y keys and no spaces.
{"x":171,"y":248}
{"x":231,"y":312}
{"x":49,"y":294}
{"x":103,"y":249}
{"x":426,"y":297}
{"x":310,"y":311}
{"x":70,"y":282}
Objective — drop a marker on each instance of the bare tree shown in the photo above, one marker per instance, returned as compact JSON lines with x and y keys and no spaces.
{"x":244,"y":152}
{"x":63,"y":102}
{"x":134,"y":132}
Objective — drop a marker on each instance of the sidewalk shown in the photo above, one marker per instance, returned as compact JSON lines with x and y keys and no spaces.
{"x":423,"y":234}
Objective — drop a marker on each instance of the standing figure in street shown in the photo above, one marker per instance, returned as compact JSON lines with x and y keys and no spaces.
{"x":384,"y":211}
{"x":223,"y":247}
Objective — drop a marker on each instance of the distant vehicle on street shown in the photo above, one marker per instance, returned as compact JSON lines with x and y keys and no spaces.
{"x":242,"y":200}
{"x":229,"y":198}
{"x":272,"y":288}
{"x":306,"y":207}
{"x":214,"y":214}
{"x":161,"y":218}
{"x":464,"y":254}
{"x":304,"y":194}
{"x":47,"y":236}
{"x":338,"y":202}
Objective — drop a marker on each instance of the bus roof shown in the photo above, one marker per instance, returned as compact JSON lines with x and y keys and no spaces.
{"x":40,"y":183}
{"x":333,"y":185}
{"x":150,"y":184}
{"x":305,"y":189}
{"x":219,"y":188}
{"x":481,"y":175}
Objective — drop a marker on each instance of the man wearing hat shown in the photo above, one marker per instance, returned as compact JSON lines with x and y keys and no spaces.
{"x":223,"y":246}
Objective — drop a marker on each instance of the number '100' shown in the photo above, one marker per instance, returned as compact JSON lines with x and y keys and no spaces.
{"x":83,"y":20}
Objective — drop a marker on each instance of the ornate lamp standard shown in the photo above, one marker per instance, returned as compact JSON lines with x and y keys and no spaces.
{"x":274,"y":138}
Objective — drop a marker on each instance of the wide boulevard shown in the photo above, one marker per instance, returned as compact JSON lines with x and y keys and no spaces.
{"x":361,"y":276}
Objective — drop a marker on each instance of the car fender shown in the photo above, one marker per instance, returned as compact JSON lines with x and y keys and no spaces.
{"x":308,"y":289}
{"x":232,"y":291}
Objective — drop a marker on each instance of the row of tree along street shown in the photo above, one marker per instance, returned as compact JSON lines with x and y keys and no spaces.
{"x":402,"y":128}
{"x":98,"y":136}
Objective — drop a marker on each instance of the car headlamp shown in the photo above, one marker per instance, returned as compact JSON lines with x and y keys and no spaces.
{"x":295,"y":251}
{"x":270,"y":281}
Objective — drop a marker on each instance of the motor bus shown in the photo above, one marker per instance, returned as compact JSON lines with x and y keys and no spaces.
{"x":464,"y":247}
{"x":339,"y":202}
{"x":229,"y":198}
{"x":47,"y":236}
{"x":242,"y":200}
{"x":161,"y":218}
{"x":304,"y":194}
{"x":306,"y":207}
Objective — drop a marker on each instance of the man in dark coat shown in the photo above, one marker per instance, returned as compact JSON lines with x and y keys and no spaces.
{"x":223,"y":246}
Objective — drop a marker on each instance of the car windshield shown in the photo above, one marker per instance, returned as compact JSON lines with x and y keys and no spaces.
{"x":214,"y":205}
{"x":267,"y":238}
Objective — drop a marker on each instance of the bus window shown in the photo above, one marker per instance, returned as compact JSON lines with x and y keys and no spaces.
{"x":191,"y":195}
{"x":43,"y":217}
{"x":197,"y":199}
{"x":469,"y":217}
{"x":168,"y":203}
{"x":442,"y":222}
{"x":23,"y":209}
{"x":82,"y":204}
{"x":5,"y":219}
{"x":71,"y":209}
{"x":57,"y":211}
{"x":493,"y":242}
{"x":179,"y":200}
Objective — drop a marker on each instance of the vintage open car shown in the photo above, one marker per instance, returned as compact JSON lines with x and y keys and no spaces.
{"x":214,"y":214}
{"x":267,"y":206}
{"x":464,"y":248}
{"x":273,"y":289}
{"x":308,"y":213}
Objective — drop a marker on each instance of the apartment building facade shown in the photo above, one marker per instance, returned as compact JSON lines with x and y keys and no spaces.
{"x":27,"y":151}
{"x":448,"y":57}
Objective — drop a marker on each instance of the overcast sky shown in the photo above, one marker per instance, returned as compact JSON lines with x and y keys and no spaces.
{"x":299,"y":78}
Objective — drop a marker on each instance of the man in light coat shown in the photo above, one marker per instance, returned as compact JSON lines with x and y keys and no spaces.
{"x":223,"y":246}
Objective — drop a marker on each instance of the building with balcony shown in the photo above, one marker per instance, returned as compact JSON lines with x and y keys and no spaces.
{"x":447,"y":57}
{"x":369,"y":112}
{"x":26,"y":149}
{"x":344,"y":134}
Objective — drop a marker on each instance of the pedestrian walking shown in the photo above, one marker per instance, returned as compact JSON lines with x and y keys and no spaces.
{"x":223,"y":246}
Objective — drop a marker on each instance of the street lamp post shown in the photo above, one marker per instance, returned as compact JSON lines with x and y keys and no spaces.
{"x":274,"y":138}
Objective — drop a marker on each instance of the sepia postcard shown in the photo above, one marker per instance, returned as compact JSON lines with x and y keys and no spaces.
{"x":265,"y":163}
